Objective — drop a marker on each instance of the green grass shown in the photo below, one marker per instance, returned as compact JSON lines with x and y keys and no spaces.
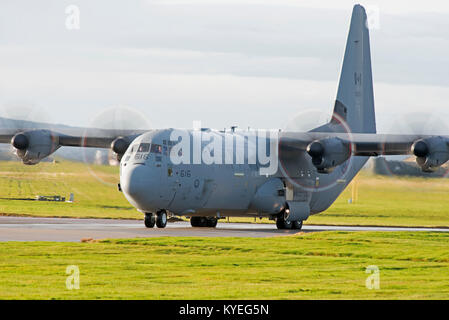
{"x":381,"y":200}
{"x":94,"y":187}
{"x":391,"y":201}
{"x":322,"y":265}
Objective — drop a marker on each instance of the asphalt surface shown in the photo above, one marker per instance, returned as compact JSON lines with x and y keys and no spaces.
{"x":64,"y":229}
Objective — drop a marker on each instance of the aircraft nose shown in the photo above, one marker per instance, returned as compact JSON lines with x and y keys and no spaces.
{"x":132,"y":179}
{"x":136,"y":182}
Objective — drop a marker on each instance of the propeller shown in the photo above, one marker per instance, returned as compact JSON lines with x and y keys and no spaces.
{"x":113,"y":120}
{"x":296,"y":167}
{"x":23,"y":114}
{"x":433,"y":124}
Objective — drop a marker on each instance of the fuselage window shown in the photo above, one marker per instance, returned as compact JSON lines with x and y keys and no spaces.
{"x":144,"y":147}
{"x":156,"y":148}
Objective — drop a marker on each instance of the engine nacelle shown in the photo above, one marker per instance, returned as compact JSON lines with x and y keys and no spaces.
{"x":34,"y":145}
{"x":328,"y":153}
{"x":431,"y":153}
{"x":119,"y":146}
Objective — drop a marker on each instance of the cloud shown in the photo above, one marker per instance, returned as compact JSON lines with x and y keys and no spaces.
{"x":395,"y":7}
{"x":251,"y":63}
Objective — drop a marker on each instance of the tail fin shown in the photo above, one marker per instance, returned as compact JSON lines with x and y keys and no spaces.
{"x":355,"y":98}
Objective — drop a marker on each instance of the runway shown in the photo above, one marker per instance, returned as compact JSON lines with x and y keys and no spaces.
{"x":65,"y":229}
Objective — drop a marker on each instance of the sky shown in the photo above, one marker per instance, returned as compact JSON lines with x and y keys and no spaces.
{"x":248,"y":63}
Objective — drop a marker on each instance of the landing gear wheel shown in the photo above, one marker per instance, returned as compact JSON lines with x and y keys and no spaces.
{"x":161,"y":220}
{"x":211,"y":222}
{"x":282,"y":223}
{"x":150,"y":220}
{"x":203,"y":222}
{"x":195,"y":221}
{"x":297,"y":225}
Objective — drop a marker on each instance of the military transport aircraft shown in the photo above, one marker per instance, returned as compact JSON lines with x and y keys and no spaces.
{"x":208,"y":174}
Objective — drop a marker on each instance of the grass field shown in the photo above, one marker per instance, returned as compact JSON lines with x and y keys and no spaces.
{"x":322,"y":265}
{"x":381,"y":200}
{"x":94,"y":187}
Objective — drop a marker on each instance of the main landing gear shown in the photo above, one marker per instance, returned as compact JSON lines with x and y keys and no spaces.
{"x":282,"y":222}
{"x":210,"y":222}
{"x":160,"y":219}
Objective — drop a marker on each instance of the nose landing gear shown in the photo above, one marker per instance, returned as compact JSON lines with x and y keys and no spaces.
{"x":160,"y":219}
{"x":150,"y":220}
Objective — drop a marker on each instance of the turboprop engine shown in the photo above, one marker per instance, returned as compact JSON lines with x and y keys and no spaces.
{"x":34,"y":145}
{"x":328,"y":153}
{"x":431,"y":153}
{"x":119,"y":146}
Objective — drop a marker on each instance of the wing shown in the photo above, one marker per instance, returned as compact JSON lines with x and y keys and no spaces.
{"x":328,"y":149}
{"x":90,"y":138}
{"x":35,"y":141}
{"x":362,"y":144}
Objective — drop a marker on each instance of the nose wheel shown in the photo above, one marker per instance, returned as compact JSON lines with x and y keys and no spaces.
{"x":161,"y":219}
{"x":150,"y":220}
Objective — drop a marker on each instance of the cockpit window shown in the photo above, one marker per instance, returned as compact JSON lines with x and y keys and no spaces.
{"x":144,"y":147}
{"x":156,"y":148}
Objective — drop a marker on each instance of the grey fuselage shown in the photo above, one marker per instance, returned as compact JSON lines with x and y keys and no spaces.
{"x":151,"y":181}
